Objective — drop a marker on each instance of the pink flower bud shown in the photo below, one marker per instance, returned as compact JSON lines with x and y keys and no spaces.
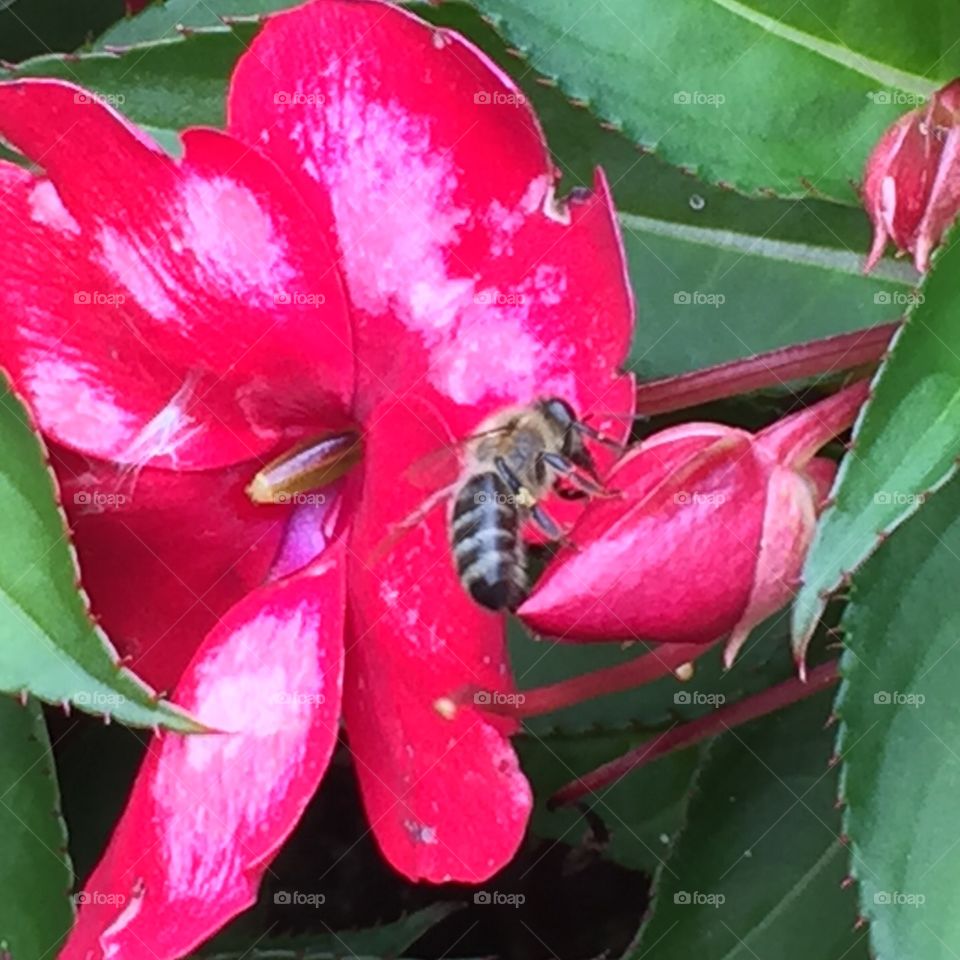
{"x":705,"y":537}
{"x":911,"y":186}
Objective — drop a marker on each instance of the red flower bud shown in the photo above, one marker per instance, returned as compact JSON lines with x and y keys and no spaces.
{"x":911,"y":186}
{"x":706,"y":537}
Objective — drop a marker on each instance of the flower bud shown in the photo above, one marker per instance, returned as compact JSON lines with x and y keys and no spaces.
{"x":911,"y":186}
{"x":704,"y":534}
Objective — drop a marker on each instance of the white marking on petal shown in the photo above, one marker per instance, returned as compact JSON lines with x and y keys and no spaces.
{"x":138,"y":270}
{"x":234,"y":240}
{"x":76,"y":403}
{"x":47,"y":209}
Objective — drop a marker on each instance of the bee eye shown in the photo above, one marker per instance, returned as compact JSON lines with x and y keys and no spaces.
{"x":561,"y":411}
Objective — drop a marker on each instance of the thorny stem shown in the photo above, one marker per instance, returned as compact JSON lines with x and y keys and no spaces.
{"x":816,"y":358}
{"x":663,"y":660}
{"x":710,"y":725}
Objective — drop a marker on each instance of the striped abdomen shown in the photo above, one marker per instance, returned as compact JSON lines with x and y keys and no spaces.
{"x":485,"y":538}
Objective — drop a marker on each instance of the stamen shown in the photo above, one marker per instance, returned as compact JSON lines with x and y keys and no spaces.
{"x":309,"y":465}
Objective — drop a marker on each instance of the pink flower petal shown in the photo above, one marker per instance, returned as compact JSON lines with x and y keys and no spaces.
{"x":184,"y":314}
{"x":472,"y":287}
{"x":445,"y":797}
{"x":208,"y":812}
{"x":672,"y":559}
{"x":789,"y":520}
{"x":163,"y":555}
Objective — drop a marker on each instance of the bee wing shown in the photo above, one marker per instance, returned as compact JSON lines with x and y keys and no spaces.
{"x":439,"y":472}
{"x":441,"y":467}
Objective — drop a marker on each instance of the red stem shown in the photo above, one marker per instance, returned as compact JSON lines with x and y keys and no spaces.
{"x":710,"y":725}
{"x":773,"y":369}
{"x":663,"y":660}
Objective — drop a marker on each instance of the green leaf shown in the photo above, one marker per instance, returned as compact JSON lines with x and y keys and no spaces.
{"x":168,"y":85}
{"x":756,"y":871}
{"x":762,"y":94}
{"x":48,"y":645}
{"x":35,"y":873}
{"x":772,"y":272}
{"x":389,"y":940}
{"x":30,"y":27}
{"x":641,"y":813}
{"x":905,"y":444}
{"x":536,"y":663}
{"x":899,"y":733}
{"x":707,"y":295}
{"x":163,"y":21}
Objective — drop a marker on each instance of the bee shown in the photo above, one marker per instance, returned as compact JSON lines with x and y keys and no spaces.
{"x":510,"y":467}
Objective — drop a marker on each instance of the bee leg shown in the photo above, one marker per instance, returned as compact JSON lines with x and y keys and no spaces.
{"x":546,"y":523}
{"x":574,"y":473}
{"x":510,"y":478}
{"x":551,"y":528}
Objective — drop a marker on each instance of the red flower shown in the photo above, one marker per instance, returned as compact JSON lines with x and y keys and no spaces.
{"x":174,"y":325}
{"x":911,"y":186}
{"x":706,"y":537}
